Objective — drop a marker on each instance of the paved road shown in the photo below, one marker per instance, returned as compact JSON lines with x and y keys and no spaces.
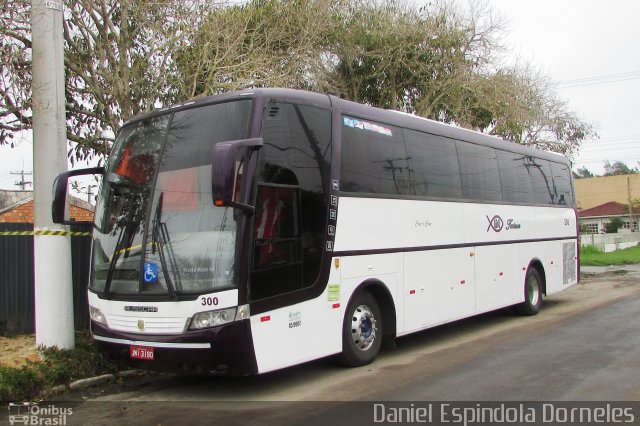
{"x":584,"y":345}
{"x":593,"y":355}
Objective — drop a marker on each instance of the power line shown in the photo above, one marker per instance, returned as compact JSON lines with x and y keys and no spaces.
{"x":601,"y":79}
{"x":602,"y":160}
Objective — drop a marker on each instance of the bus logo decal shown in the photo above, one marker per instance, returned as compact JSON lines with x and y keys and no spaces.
{"x":141,"y":309}
{"x":495,"y":223}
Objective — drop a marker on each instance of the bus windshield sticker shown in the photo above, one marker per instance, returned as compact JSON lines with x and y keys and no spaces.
{"x":150,"y":272}
{"x":363,"y":125}
{"x":333,"y":293}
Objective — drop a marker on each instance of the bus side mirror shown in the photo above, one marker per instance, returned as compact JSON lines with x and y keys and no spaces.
{"x":61,"y":194}
{"x":226,"y":172}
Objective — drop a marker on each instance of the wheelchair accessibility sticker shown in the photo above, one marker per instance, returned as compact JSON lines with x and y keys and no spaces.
{"x":150,"y":272}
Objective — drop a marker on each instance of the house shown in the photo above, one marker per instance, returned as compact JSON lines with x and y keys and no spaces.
{"x":593,"y":220}
{"x":597,"y":191}
{"x":17,"y":207}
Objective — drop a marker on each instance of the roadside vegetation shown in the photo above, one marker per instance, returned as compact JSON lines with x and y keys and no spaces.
{"x":443,"y":59}
{"x":592,"y":256}
{"x":56,"y":367}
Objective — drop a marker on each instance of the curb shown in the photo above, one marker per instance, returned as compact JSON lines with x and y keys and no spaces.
{"x":92,"y":381}
{"x":98,"y":380}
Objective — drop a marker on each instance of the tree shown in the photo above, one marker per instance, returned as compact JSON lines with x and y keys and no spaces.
{"x":261,"y":43}
{"x":118,"y":63}
{"x":612,"y":226}
{"x":582,"y":172}
{"x":440,"y":62}
{"x":123,"y":57}
{"x":618,"y":168}
{"x":15,"y":69}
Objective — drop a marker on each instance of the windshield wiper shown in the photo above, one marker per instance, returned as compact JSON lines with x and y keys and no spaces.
{"x":160,"y":238}
{"x":124,"y":230}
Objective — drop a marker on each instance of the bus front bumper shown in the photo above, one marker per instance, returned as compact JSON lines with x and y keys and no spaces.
{"x":222,"y":350}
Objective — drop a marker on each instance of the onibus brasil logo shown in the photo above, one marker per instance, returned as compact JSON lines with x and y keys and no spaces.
{"x":30,"y":413}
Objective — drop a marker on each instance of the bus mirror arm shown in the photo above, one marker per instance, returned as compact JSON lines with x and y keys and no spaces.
{"x":60,"y":192}
{"x":226,"y":168}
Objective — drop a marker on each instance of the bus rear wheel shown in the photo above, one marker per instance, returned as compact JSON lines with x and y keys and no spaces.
{"x":361,"y":331}
{"x":532,"y":294}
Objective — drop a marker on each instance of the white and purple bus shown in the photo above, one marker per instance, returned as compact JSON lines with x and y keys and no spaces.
{"x":252,"y":231}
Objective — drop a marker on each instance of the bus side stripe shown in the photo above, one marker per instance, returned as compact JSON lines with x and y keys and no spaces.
{"x":444,"y":246}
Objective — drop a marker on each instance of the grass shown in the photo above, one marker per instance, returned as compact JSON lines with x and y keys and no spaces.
{"x":59,"y":366}
{"x":591,"y":256}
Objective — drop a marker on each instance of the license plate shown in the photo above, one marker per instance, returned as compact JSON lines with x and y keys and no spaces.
{"x":141,"y":352}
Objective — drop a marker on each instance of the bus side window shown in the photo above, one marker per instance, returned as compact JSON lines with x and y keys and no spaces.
{"x":276,"y":226}
{"x":277,"y":252}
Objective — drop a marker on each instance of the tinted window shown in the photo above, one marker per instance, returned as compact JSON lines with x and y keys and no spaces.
{"x":541,"y":181}
{"x":292,"y":199}
{"x":479,"y":172}
{"x":561,"y":177}
{"x":433,"y":165}
{"x":373,"y":158}
{"x":514,"y":177}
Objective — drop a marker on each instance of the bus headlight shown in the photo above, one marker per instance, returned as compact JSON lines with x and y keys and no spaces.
{"x":97,"y":315}
{"x":212,"y":318}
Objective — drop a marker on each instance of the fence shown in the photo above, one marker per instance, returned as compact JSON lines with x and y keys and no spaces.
{"x":17,"y":301}
{"x":610,"y":242}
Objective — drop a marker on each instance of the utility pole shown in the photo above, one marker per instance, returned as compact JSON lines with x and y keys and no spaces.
{"x":52,"y":253}
{"x":630,"y":203}
{"x":22,"y":183}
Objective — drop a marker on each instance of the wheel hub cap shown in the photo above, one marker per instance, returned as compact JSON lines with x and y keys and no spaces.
{"x":363,"y":327}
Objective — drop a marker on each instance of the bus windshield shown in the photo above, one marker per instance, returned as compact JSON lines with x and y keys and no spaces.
{"x":157,"y":230}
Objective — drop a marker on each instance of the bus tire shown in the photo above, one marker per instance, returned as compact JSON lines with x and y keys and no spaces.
{"x":532,"y":294}
{"x":361,"y":331}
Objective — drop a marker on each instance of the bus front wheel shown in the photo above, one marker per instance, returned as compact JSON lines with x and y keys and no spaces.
{"x":361,"y":331}
{"x":532,"y":293}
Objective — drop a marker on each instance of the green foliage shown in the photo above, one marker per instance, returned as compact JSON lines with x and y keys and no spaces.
{"x":62,"y":365}
{"x":618,"y":168}
{"x":440,"y":61}
{"x":591,"y":256}
{"x":437,"y":61}
{"x":613,"y":225}
{"x":583,"y":172}
{"x":59,"y":366}
{"x":18,"y":384}
{"x":584,"y":229}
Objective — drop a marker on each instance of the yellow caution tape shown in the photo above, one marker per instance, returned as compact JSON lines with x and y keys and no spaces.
{"x":56,"y":233}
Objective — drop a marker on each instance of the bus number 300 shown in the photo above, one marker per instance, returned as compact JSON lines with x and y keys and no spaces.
{"x":209,"y":301}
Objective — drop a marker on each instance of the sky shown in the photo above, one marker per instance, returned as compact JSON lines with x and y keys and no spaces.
{"x":589,"y":48}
